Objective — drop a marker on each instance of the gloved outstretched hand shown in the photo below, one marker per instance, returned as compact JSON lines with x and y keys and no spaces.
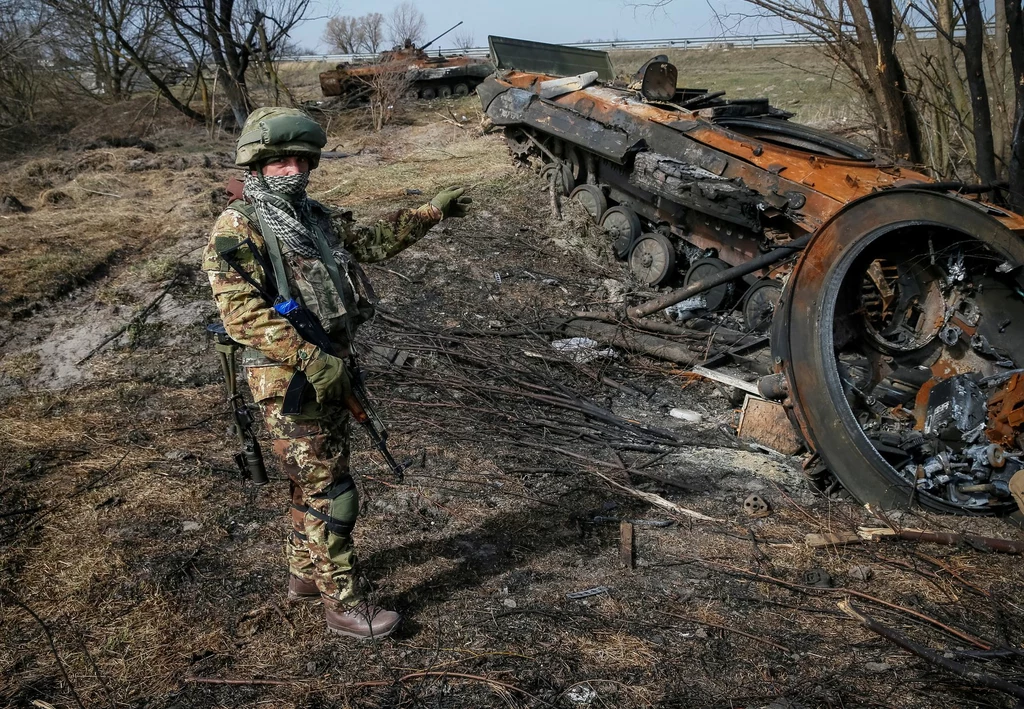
{"x":452,"y":203}
{"x":328,"y":376}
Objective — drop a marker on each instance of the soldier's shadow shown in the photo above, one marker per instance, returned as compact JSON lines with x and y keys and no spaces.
{"x":502,"y":543}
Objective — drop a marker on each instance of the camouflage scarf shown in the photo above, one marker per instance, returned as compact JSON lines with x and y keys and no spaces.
{"x":282,"y":205}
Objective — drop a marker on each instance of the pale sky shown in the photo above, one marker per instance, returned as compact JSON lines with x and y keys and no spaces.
{"x":548,"y":21}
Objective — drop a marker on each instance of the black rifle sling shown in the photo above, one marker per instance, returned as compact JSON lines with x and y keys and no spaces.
{"x":275,"y":273}
{"x":229,"y":258}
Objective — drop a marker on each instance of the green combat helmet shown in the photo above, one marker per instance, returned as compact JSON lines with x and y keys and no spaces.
{"x":274,"y":132}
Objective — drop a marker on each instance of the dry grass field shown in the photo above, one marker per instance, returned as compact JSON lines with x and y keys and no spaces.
{"x":137,"y":570}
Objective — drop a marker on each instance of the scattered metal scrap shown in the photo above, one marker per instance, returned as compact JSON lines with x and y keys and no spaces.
{"x":890,"y":300}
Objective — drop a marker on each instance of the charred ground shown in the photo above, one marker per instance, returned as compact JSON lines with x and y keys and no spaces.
{"x":134,"y":562}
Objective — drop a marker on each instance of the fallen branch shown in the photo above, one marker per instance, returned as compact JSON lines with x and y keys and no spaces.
{"x":933,"y":656}
{"x":241,"y":682}
{"x":137,"y":320}
{"x":50,"y":641}
{"x":631,"y":341}
{"x":657,"y":500}
{"x":728,"y":629}
{"x":990,"y":544}
{"x":967,"y":637}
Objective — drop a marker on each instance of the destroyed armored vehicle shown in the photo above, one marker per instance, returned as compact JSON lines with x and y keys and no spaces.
{"x":428,"y":76}
{"x":894,"y":303}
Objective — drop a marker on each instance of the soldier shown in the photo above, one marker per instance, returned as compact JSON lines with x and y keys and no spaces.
{"x":278,"y":243}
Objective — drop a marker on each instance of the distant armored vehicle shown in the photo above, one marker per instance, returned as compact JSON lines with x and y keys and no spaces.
{"x":895,"y":303}
{"x":428,"y":76}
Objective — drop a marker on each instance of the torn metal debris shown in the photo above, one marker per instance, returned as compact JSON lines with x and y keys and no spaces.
{"x":890,"y":299}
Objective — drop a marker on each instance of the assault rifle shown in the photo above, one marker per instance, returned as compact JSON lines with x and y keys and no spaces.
{"x":312,"y":331}
{"x":250,"y":459}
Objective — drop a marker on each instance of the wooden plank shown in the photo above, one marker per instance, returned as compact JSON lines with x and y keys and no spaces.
{"x":766,"y":423}
{"x":626,"y":544}
{"x":836,"y":539}
{"x":728,"y":380}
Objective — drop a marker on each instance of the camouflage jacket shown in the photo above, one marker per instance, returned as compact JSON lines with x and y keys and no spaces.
{"x":273,"y":347}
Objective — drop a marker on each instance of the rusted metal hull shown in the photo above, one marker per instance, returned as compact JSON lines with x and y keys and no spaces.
{"x":428,"y":77}
{"x":895,"y":330}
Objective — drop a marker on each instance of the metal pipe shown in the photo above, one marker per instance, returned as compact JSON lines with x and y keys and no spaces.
{"x":717,"y":279}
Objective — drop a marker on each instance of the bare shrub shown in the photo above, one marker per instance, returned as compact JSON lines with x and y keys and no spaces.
{"x":388,"y":88}
{"x":464,"y":40}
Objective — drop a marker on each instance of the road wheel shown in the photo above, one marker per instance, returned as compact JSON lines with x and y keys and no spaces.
{"x":719,"y":296}
{"x":461,"y":89}
{"x":833,"y":328}
{"x":623,"y":226}
{"x":760,"y":303}
{"x":652,"y":259}
{"x":428,"y":93}
{"x":592,"y":198}
{"x":444,"y":91}
{"x":561,"y":174}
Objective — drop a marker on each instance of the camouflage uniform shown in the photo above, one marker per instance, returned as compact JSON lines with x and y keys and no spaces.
{"x":313,"y":445}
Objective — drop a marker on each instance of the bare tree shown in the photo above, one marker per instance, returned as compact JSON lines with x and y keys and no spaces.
{"x":373,"y":30}
{"x":344,"y":34}
{"x":23,"y":59}
{"x":406,"y":24}
{"x":85,"y":38}
{"x":229,"y":29}
{"x":464,"y":40}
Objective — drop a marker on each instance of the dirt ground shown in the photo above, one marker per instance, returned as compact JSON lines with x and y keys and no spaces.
{"x":139,"y":571}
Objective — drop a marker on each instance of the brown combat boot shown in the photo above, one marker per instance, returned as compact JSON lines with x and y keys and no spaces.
{"x":363,"y":620}
{"x":299,"y":590}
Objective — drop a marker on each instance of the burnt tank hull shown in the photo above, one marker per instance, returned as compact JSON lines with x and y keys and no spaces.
{"x":427,"y":77}
{"x":890,"y":316}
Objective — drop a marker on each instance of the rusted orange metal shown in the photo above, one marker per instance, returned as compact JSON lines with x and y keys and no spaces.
{"x":895,"y":325}
{"x":827,"y":183}
{"x":428,"y":76}
{"x":1006,"y":412}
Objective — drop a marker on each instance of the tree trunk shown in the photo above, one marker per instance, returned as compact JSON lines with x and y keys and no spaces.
{"x":906,"y":133}
{"x":230,"y":71}
{"x":872,"y":82}
{"x":1015,"y":37}
{"x":997,"y":56}
{"x":974,"y":60}
{"x":944,"y":19}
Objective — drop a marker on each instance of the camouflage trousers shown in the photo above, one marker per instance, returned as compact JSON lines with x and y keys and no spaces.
{"x":312,"y":448}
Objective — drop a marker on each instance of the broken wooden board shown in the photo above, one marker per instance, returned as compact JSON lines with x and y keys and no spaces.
{"x":626,"y":544}
{"x":727,"y":379}
{"x":830,"y":539}
{"x":765,"y":422}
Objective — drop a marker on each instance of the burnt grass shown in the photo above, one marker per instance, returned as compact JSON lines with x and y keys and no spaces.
{"x":139,"y":571}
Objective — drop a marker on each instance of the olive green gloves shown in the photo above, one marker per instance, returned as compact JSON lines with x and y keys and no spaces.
{"x":328,"y":376}
{"x":451,"y":203}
